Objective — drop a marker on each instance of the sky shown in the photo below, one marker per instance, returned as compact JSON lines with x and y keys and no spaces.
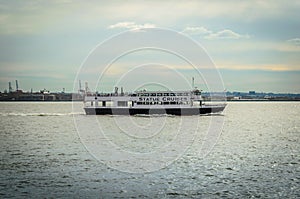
{"x":255,"y":45}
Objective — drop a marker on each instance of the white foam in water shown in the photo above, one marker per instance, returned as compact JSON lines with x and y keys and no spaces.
{"x":40,"y":114}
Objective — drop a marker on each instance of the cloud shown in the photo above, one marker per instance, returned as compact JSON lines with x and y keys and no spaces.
{"x":295,"y":41}
{"x":196,"y":30}
{"x":226,"y":34}
{"x":265,"y":67}
{"x":254,"y":46}
{"x":170,"y":11}
{"x":35,"y":16}
{"x":209,"y":34}
{"x":131,"y":25}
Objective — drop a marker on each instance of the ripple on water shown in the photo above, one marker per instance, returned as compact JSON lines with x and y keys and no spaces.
{"x":257,"y":155}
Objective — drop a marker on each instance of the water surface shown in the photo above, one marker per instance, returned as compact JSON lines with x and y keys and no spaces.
{"x":257,"y":155}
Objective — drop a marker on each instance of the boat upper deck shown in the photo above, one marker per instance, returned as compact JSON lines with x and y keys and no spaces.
{"x":144,"y":98}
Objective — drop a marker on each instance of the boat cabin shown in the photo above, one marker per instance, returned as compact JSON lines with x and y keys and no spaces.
{"x":145,"y":99}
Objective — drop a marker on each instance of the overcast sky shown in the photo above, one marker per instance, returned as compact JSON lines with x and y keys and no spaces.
{"x":254,"y":44}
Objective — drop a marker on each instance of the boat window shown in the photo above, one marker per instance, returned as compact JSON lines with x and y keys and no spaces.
{"x":172,"y":94}
{"x":166,"y":94}
{"x":179,"y":94}
{"x":166,"y":103}
{"x":152,"y":94}
{"x":146,"y":94}
{"x":122,"y":103}
{"x":159,"y":94}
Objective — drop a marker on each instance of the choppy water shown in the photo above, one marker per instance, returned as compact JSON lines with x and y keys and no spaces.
{"x":257,"y":155}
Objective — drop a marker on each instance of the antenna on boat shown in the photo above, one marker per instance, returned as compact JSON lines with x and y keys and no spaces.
{"x":122,"y":92}
{"x":116,"y":90}
{"x":193,"y":82}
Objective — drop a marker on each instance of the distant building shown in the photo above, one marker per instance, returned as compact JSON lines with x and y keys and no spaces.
{"x":251,"y":92}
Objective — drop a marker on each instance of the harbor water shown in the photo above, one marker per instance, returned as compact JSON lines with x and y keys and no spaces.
{"x":256,"y":154}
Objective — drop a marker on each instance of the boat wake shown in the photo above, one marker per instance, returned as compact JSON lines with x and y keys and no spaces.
{"x":41,"y":114}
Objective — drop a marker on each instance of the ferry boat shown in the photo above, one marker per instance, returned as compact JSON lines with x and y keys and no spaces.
{"x":149,"y":103}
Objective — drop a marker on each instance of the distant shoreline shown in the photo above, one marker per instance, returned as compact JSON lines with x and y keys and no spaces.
{"x":251,"y":96}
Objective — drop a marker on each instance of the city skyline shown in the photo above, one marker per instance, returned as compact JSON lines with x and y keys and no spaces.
{"x":255,"y":45}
